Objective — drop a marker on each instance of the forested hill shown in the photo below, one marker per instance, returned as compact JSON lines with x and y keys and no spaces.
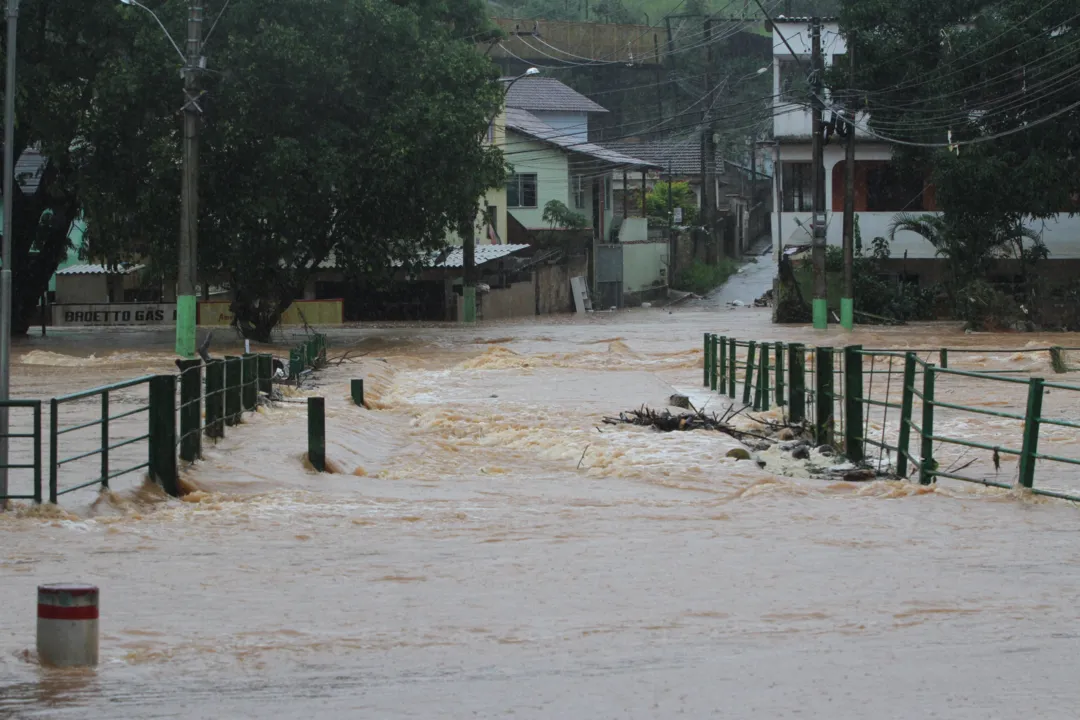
{"x":652,"y":11}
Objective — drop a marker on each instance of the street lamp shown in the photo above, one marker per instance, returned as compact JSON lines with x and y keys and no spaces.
{"x":468,"y":245}
{"x":5,"y":254}
{"x":186,"y":302}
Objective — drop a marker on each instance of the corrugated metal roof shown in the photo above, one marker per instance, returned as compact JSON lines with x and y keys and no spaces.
{"x":526,"y":123}
{"x":99,"y":270}
{"x":484,"y":254}
{"x":547,"y":93}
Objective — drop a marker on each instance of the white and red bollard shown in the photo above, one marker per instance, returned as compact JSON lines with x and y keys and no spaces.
{"x":67,"y":625}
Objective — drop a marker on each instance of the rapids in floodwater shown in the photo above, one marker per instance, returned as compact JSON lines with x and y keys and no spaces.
{"x":485,"y":547}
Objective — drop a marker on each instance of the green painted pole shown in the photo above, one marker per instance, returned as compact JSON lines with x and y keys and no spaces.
{"x":37,"y":453}
{"x":163,"y":433}
{"x":705,"y":354}
{"x":105,"y":413}
{"x":54,"y":450}
{"x":266,"y":373}
{"x":763,"y":376}
{"x":824,"y":396}
{"x":317,"y":433}
{"x":853,"y":404}
{"x":722,"y":342}
{"x":797,"y":381}
{"x":215,"y":398}
{"x":190,"y":409}
{"x":944,"y":354}
{"x":733,"y":365}
{"x":296,"y":362}
{"x":250,"y":382}
{"x":358,"y":392}
{"x":928,"y":466}
{"x":234,"y":402}
{"x":713,"y":345}
{"x":748,"y":377}
{"x":781,"y":401}
{"x":906,"y":404}
{"x":1032,"y":422}
{"x":847,"y":313}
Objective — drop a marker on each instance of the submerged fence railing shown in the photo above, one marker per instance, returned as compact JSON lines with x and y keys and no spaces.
{"x":889,"y":403}
{"x":115,"y":440}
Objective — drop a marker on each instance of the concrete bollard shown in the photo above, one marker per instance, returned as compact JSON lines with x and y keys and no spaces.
{"x":67,"y":625}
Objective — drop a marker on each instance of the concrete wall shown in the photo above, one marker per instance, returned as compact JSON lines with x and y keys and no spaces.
{"x":552,"y":171}
{"x":553,"y":293}
{"x":644,"y":266}
{"x":518,"y":300}
{"x":81,"y":289}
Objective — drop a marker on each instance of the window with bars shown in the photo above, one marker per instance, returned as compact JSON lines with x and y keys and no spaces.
{"x":577,"y":189}
{"x":521,"y":191}
{"x":798,"y":187}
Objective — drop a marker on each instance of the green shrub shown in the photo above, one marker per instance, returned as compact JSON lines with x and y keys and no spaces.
{"x":701,"y":278}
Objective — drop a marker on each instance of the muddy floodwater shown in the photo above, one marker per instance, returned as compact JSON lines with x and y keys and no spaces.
{"x":486,"y":547}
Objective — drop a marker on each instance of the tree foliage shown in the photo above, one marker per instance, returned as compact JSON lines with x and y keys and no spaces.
{"x":656,"y":202}
{"x":335,"y":132}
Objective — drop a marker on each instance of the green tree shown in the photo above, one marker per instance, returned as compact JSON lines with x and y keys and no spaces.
{"x":656,"y":202}
{"x":340,"y":132}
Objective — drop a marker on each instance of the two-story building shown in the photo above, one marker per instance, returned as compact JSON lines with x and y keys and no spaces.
{"x":881,"y":189}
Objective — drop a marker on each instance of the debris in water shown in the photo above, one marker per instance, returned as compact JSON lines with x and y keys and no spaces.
{"x":738,"y":454}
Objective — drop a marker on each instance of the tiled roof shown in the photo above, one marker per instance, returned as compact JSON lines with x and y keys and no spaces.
{"x":484,"y":254}
{"x":807,"y":20}
{"x":684,"y":153}
{"x":526,"y":123}
{"x":99,"y":270}
{"x":548,"y":94}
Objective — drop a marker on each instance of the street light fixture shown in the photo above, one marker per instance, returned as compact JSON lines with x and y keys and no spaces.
{"x":193,"y":62}
{"x":468,"y":244}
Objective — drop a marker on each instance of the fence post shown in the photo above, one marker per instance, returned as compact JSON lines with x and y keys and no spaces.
{"x":906,"y":404}
{"x":797,"y":381}
{"x":927,"y":468}
{"x":37,"y":452}
{"x":190,"y":409}
{"x":780,"y":400}
{"x":748,"y":376}
{"x":296,"y":362}
{"x":358,"y":392}
{"x":824,"y":399}
{"x":733,"y":366}
{"x":317,"y":433}
{"x":853,"y":403}
{"x":215,"y":401}
{"x":1032,"y":421}
{"x":713,"y":354}
{"x":722,"y":342}
{"x":266,"y":373}
{"x":706,"y":346}
{"x":105,"y":412}
{"x":163,"y":433}
{"x":250,"y":380}
{"x":761,"y":394}
{"x":234,"y":378}
{"x":944,"y":355}
{"x":54,"y":450}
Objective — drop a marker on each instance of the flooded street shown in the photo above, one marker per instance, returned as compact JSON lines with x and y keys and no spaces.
{"x":486,"y":547}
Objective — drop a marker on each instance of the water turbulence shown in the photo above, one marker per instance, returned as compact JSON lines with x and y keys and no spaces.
{"x":487,"y":546}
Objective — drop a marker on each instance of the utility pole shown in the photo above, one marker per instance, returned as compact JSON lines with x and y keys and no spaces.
{"x":847,"y":301}
{"x":468,"y":261}
{"x":672,"y":250}
{"x":821,"y":306}
{"x":186,"y":300}
{"x":709,"y":153}
{"x":9,"y":213}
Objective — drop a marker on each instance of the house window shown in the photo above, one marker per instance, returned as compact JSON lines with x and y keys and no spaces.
{"x":577,"y":187}
{"x":798,"y":187}
{"x":521,"y":191}
{"x":793,"y":86}
{"x":890,"y":190}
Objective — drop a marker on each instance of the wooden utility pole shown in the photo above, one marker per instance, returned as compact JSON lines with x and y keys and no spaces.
{"x":847,"y":301}
{"x":186,"y":299}
{"x":821,"y":306}
{"x":709,"y":153}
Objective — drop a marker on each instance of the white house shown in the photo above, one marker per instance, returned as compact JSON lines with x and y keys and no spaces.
{"x":880,"y":190}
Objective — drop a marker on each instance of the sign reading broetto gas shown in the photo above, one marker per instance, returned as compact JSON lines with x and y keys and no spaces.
{"x":115,"y":314}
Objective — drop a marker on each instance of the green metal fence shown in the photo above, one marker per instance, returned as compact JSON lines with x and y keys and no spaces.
{"x":200,"y":401}
{"x":889,"y":404}
{"x":18,"y":457}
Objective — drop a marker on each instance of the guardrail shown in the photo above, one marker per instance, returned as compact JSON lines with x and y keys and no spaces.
{"x":35,"y":455}
{"x":899,"y":391}
{"x":175,"y":420}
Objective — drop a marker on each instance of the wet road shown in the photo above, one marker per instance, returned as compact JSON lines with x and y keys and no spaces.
{"x":487,"y":548}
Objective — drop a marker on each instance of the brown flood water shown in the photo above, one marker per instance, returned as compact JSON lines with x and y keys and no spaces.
{"x":484,"y":550}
